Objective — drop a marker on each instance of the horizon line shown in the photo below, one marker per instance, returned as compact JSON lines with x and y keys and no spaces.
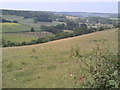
{"x":56,"y":11}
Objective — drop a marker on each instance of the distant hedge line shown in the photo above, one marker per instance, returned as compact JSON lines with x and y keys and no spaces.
{"x":7,"y":21}
{"x":39,"y":40}
{"x":58,"y":36}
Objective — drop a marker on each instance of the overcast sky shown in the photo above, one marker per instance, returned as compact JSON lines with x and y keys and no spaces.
{"x":102,"y":7}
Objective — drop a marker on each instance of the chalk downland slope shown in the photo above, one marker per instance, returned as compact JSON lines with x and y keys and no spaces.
{"x":50,"y":65}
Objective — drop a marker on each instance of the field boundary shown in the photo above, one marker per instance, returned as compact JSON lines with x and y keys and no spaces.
{"x":57,"y":40}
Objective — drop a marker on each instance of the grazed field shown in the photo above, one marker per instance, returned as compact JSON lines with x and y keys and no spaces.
{"x":50,"y":64}
{"x":12,"y":17}
{"x":14,"y":32}
{"x":14,"y":27}
{"x":18,"y":37}
{"x":30,"y":22}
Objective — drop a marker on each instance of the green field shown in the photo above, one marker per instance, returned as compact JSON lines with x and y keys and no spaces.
{"x":18,"y":37}
{"x":12,"y":17}
{"x":30,"y":22}
{"x":13,"y":27}
{"x":50,"y":65}
{"x":13,"y":32}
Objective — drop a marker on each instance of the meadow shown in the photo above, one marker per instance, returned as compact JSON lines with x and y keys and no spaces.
{"x":52,"y":65}
{"x":15,"y":32}
{"x":30,"y":22}
{"x":14,"y":28}
{"x":18,"y":37}
{"x":12,"y":17}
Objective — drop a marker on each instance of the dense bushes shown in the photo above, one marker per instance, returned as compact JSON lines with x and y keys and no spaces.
{"x":53,"y":29}
{"x":7,"y":21}
{"x":4,"y":20}
{"x":70,"y":25}
{"x":102,"y":65}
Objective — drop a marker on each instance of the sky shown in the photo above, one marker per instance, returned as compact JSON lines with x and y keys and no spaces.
{"x":76,"y":6}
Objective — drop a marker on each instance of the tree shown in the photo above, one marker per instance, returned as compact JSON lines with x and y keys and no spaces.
{"x":101,"y":29}
{"x":15,"y":21}
{"x":84,"y":26}
{"x":24,"y":43}
{"x":32,"y":30}
{"x":35,"y":21}
{"x":3,"y":42}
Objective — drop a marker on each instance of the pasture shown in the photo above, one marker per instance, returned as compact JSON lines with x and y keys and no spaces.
{"x":14,"y":28}
{"x":12,"y":17}
{"x":50,"y":65}
{"x":30,"y":22}
{"x":18,"y":37}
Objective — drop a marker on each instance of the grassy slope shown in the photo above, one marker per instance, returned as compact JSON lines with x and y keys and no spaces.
{"x":49,"y":64}
{"x":12,"y":17}
{"x":9,"y":28}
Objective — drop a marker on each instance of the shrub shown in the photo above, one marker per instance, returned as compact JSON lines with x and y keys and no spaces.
{"x":104,"y":71}
{"x":32,"y":30}
{"x":24,"y":43}
{"x":15,"y":21}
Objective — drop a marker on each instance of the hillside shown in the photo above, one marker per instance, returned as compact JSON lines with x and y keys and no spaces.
{"x":20,"y":27}
{"x":51,"y":64}
{"x":88,"y":14}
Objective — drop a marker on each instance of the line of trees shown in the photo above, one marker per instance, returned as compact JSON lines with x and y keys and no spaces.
{"x":39,"y":16}
{"x":37,"y":41}
{"x":70,"y":25}
{"x":7,"y":21}
{"x":60,"y":35}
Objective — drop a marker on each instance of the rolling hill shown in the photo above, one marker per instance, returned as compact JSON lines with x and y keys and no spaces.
{"x":51,"y":64}
{"x":88,"y":14}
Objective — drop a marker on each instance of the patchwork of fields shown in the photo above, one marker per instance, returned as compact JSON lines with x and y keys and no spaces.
{"x":30,"y":21}
{"x":50,"y":65}
{"x":14,"y":31}
{"x":14,"y":28}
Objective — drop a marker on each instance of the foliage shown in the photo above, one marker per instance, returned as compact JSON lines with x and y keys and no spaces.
{"x":32,"y":30}
{"x":104,"y":72}
{"x":54,"y":29}
{"x":39,"y":16}
{"x":7,"y":21}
